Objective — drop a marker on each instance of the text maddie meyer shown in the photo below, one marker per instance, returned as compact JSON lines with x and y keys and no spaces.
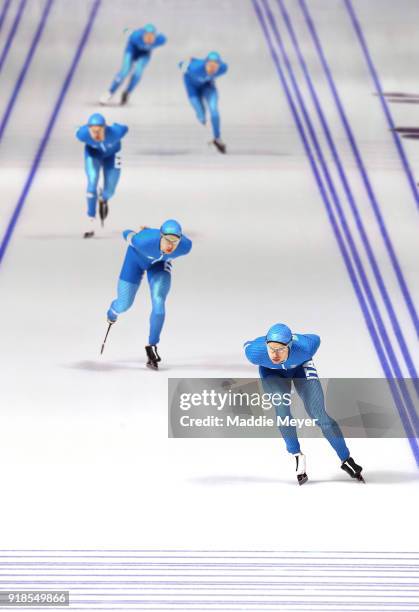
{"x":245,"y":421}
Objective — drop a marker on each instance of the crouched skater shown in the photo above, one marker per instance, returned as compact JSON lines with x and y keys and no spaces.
{"x":137,"y":54}
{"x":285,"y":358}
{"x":150,"y":250}
{"x":101,"y":154}
{"x":199,"y":77}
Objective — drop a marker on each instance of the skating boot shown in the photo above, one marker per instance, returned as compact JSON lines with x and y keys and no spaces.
{"x":124,"y":98}
{"x":112,"y":316}
{"x":153,"y":357}
{"x":90,"y":232}
{"x":351,"y":468}
{"x":220,"y":146}
{"x":103,"y":209}
{"x":105,"y":99}
{"x":300,"y":468}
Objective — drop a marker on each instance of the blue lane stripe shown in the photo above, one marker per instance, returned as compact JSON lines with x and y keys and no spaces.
{"x":410,"y":412}
{"x":4,"y":11}
{"x":25,"y":67}
{"x":361,"y":167}
{"x":341,"y":244}
{"x":364,"y":175}
{"x":374,"y":74}
{"x":360,"y":226}
{"x":352,"y":203}
{"x":12,"y":32}
{"x":43,"y":144}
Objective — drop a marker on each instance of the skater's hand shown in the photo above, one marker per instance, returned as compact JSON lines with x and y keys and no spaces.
{"x":142,"y":227}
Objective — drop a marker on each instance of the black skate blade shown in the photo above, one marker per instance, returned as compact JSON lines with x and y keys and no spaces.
{"x":302,"y":478}
{"x":88,"y":234}
{"x":103,"y":211}
{"x":361,"y":478}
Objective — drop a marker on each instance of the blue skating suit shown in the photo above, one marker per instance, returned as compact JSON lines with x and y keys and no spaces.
{"x":299,"y":369}
{"x":136,"y":52}
{"x":102,"y":155}
{"x":142,"y":255}
{"x":200,"y":86}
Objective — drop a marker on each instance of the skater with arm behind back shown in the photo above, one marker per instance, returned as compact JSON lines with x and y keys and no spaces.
{"x":199,"y":78}
{"x":101,"y":154}
{"x":151,"y":251}
{"x":137,"y":55}
{"x":284,"y":359}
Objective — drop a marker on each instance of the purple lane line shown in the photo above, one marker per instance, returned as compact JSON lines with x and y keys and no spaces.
{"x":243,"y":587}
{"x":379,"y":604}
{"x":185,"y":585}
{"x":189,"y":575}
{"x":361,"y":167}
{"x":350,"y":197}
{"x":405,"y":412}
{"x":26,"y":64}
{"x":202,"y":593}
{"x":97,"y":564}
{"x":374,"y":74}
{"x":191,"y":550}
{"x":293,"y":558}
{"x":44,"y":142}
{"x":4,"y":11}
{"x":12,"y":32}
{"x":370,"y":322}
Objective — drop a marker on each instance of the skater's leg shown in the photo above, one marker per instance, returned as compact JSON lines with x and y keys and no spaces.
{"x":92,"y":167}
{"x":274,"y":383}
{"x":198,"y":108}
{"x":310,"y":390}
{"x":140,"y":64}
{"x":111,"y":171}
{"x":128,"y":283}
{"x":123,"y":73}
{"x":211,"y":96}
{"x":159,"y":278}
{"x":124,"y":300}
{"x":195,"y":99}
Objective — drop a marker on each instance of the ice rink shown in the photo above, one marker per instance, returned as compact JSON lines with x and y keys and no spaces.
{"x":84,"y":454}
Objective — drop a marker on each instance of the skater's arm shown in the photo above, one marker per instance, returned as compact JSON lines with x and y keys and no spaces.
{"x":222,"y":69}
{"x":186,"y":245}
{"x":82,"y":133}
{"x":313,"y":343}
{"x":129,"y":235}
{"x":120,"y":129}
{"x":190,"y":65}
{"x":253,"y":350}
{"x":184,"y":65}
{"x":160,"y":40}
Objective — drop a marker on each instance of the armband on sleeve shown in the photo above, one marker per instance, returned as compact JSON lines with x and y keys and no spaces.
{"x":128,"y":236}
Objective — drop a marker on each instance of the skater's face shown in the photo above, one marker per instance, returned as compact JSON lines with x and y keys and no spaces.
{"x":149,"y":38}
{"x":211,"y":67}
{"x":168,"y":243}
{"x":277,"y":352}
{"x":97,"y":132}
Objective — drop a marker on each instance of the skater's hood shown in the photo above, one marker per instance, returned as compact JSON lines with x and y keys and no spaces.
{"x":113,"y":134}
{"x":171,"y":227}
{"x":279,"y":333}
